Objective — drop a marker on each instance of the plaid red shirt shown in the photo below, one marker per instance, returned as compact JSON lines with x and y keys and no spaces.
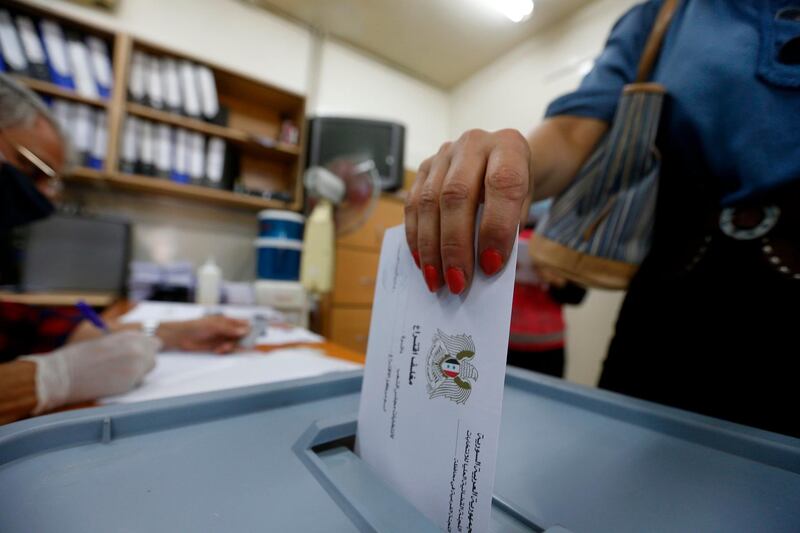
{"x":537,"y":323}
{"x":27,"y":329}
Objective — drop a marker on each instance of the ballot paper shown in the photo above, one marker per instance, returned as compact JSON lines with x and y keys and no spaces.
{"x":179,"y":374}
{"x":429,"y":416}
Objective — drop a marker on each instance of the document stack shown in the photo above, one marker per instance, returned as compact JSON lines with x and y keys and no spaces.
{"x":42,"y":49}
{"x":87,"y":129}
{"x":175,"y":85}
{"x":163,"y":151}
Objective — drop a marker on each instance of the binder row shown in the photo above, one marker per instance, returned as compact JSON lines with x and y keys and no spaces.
{"x":162,"y":151}
{"x":176,"y":86}
{"x":86,"y":128}
{"x":42,"y":49}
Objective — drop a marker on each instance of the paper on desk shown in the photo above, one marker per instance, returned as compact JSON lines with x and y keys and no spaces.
{"x":178,"y":374}
{"x":173,"y":311}
{"x":429,"y":418}
{"x":274,"y":335}
{"x":277,"y":335}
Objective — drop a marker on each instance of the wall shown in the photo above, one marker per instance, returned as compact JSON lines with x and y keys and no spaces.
{"x":515,"y":89}
{"x":514,"y":92}
{"x":352,"y":84}
{"x":167,"y":229}
{"x":258,"y":44}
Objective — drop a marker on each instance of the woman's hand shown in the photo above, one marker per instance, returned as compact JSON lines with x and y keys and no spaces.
{"x":441,"y":208}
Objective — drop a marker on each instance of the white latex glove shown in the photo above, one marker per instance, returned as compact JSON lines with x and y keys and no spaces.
{"x":89,"y":370}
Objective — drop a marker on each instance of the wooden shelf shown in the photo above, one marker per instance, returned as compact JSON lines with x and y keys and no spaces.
{"x":180,"y":190}
{"x":85,"y":174}
{"x":50,"y":89}
{"x":255,"y":113}
{"x":282,"y":151}
{"x":95,"y":299}
{"x":148,"y":184}
{"x":187,"y":123}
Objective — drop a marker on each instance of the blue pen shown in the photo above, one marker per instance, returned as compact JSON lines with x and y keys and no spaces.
{"x":89,"y":314}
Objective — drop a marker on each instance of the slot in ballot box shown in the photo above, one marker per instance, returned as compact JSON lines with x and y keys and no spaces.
{"x":278,"y":458}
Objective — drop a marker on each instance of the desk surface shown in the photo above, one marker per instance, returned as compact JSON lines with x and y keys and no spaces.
{"x":331,"y":349}
{"x":95,"y":299}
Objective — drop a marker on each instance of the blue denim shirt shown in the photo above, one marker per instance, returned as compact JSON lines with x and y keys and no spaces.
{"x":732,"y":70}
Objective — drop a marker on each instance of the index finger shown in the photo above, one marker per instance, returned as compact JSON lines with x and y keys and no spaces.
{"x":506,"y":187}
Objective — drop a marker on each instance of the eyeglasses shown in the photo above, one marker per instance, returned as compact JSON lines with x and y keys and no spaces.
{"x":42,"y":172}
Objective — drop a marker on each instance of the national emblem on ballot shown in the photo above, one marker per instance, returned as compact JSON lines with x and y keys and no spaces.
{"x":450,"y":370}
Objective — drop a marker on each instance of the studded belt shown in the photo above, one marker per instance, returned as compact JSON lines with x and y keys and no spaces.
{"x":772,"y":229}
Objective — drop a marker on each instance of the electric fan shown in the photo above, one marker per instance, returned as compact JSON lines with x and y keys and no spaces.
{"x":342,"y":196}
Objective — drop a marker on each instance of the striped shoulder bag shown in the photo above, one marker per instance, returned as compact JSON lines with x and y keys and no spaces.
{"x":599,"y":229}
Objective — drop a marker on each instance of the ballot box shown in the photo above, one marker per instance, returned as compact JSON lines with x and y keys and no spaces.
{"x":280,"y":458}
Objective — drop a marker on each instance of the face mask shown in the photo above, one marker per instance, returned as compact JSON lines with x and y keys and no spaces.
{"x":20,"y":201}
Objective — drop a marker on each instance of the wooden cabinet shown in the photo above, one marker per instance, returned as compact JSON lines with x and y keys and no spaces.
{"x":354,"y":282}
{"x":350,"y":327}
{"x":388,"y":213}
{"x":349,"y":307}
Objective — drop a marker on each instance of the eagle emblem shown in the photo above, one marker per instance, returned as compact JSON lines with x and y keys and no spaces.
{"x":449,"y":370}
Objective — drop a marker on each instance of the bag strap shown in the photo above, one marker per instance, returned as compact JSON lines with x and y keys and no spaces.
{"x":656,"y":38}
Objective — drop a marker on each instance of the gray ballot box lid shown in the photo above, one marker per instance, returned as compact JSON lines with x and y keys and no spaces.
{"x":279,"y":458}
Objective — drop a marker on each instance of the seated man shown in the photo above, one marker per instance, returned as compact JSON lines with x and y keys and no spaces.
{"x":33,"y":152}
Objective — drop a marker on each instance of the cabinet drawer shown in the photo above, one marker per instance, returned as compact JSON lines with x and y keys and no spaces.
{"x":387,"y":213}
{"x":350,"y":328}
{"x":356,"y":272}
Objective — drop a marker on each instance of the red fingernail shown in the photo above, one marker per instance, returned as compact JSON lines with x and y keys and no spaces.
{"x":432,"y":278}
{"x":491,"y":261}
{"x":456,"y":280}
{"x":415,"y":255}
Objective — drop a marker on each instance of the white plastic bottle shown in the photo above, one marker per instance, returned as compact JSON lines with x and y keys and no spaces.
{"x":209,"y":279}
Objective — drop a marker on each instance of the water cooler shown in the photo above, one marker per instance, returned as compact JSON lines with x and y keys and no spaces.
{"x":278,"y":251}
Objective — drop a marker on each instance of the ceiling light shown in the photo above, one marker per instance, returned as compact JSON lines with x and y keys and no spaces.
{"x":515,"y":10}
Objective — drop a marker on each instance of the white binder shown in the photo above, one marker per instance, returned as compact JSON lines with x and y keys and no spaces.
{"x":32,"y":46}
{"x":10,"y":45}
{"x":155,"y":95}
{"x":101,"y":65}
{"x":191,"y":97}
{"x":78,"y":54}
{"x":164,"y":151}
{"x":180,"y":164}
{"x":97,"y":154}
{"x":130,"y":145}
{"x":83,"y":128}
{"x":171,"y":85}
{"x":137,"y":78}
{"x":146,"y":148}
{"x":209,"y":100}
{"x":215,"y":161}
{"x":197,"y":157}
{"x":64,"y":111}
{"x":56,"y":48}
